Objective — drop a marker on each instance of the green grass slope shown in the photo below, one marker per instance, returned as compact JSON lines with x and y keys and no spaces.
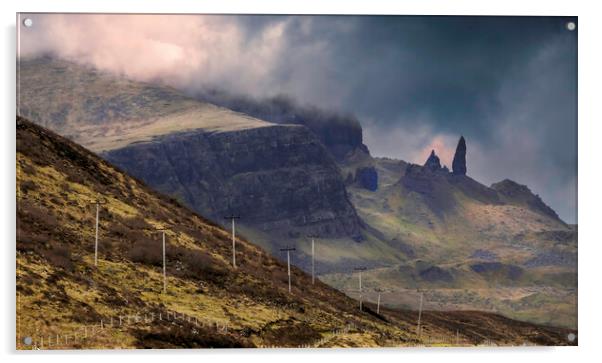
{"x":468,"y":246}
{"x":64,"y":301}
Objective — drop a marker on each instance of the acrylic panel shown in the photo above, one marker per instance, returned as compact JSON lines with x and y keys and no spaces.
{"x":255,"y":181}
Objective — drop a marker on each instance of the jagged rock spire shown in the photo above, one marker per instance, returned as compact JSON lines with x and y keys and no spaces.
{"x":433,"y":162}
{"x":459,"y":163}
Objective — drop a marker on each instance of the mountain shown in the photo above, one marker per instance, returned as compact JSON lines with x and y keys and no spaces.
{"x":280,"y":178}
{"x":298,"y":171}
{"x":502,"y":244}
{"x":66,"y":301}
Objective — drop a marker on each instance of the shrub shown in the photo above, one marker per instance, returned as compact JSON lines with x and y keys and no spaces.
{"x":265,"y":293}
{"x":137,"y":222}
{"x":291,"y":335}
{"x":27,"y":211}
{"x":29,"y":240}
{"x":28,"y":186}
{"x":147,"y":251}
{"x":76,"y":177}
{"x":197,"y":265}
{"x":28,"y":169}
{"x":188,"y":336}
{"x":59,"y":256}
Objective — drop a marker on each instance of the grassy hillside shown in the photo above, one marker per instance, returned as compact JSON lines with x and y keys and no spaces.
{"x":468,"y":249}
{"x":104,"y":111}
{"x":237,"y":161}
{"x":65,"y":301}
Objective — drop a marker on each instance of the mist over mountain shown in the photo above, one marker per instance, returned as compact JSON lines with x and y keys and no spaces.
{"x":340,"y":133}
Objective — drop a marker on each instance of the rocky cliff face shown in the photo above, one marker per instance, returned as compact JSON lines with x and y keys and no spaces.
{"x":279,"y":179}
{"x":280,"y":174}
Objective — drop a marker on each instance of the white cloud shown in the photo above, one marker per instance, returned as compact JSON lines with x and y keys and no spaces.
{"x":181,"y":50}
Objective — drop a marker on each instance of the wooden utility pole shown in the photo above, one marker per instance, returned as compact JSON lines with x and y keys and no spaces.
{"x":360,"y":269}
{"x":420,"y":315}
{"x":162,"y":230}
{"x":98,"y":202}
{"x":378,"y":304}
{"x":288,"y":264}
{"x":313,"y":263}
{"x":233,"y":217}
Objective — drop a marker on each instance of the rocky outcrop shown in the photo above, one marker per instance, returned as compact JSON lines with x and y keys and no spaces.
{"x":280,"y":178}
{"x":517,"y":194}
{"x":433,"y":163}
{"x":367,"y":177}
{"x":437,"y":186}
{"x":459,"y":162}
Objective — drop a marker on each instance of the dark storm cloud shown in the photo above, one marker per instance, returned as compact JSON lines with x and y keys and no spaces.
{"x":506,"y":83}
{"x":450,"y":68}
